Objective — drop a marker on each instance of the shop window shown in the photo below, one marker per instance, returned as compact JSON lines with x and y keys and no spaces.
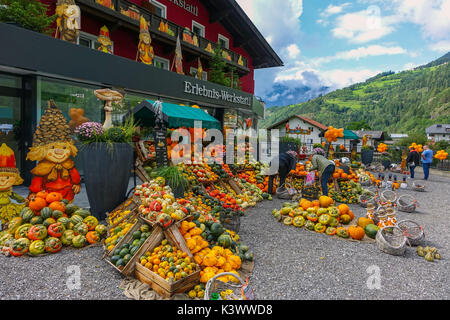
{"x":90,"y":41}
{"x":224,"y":41}
{"x":194,"y":73}
{"x":10,"y":81}
{"x":161,"y":63}
{"x":198,"y":29}
{"x":161,"y":10}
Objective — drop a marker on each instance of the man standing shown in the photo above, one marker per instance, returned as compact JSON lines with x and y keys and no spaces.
{"x":413,"y":161}
{"x":427,"y":159}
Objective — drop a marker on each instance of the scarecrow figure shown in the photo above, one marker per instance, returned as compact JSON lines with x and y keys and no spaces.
{"x":68,"y":21}
{"x":105,"y":41}
{"x":52,"y":148}
{"x":10,"y":202}
{"x":145,"y":50}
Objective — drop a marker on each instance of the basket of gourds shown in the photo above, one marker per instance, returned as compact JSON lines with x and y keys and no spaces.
{"x":407,"y":203}
{"x":391,"y":240}
{"x":216,"y":289}
{"x":367,"y":197}
{"x":388,"y":196}
{"x":412,"y":231}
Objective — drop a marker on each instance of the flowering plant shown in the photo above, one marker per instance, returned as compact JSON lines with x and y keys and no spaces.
{"x":90,"y":132}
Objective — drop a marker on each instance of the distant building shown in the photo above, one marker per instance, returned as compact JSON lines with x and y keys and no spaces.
{"x":438,"y":132}
{"x":312,"y":129}
{"x":373,"y":137}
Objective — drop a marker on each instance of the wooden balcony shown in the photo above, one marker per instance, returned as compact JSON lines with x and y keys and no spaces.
{"x":127,"y":15}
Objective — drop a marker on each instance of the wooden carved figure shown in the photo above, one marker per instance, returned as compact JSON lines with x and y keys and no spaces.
{"x":68,"y":19}
{"x":105,"y":41}
{"x":10,"y":202}
{"x":145,"y":50}
{"x":53,"y":148}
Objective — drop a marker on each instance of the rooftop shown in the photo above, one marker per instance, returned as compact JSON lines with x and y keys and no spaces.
{"x":438,"y":128}
{"x":305,"y":119}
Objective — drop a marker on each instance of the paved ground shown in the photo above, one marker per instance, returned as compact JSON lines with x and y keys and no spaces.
{"x":290,"y":263}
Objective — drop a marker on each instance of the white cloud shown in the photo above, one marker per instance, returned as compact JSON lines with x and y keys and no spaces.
{"x":340,"y":78}
{"x":441,"y":46}
{"x":409,"y":66}
{"x":361,"y":52}
{"x":363,"y":26}
{"x":432,"y":15}
{"x":293,"y":51}
{"x":332,"y":9}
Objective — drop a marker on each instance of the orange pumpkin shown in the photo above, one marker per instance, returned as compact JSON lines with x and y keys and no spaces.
{"x":336,"y":175}
{"x":343,"y":209}
{"x":57,"y":205}
{"x":306,"y":204}
{"x":316,"y":203}
{"x":351,"y":214}
{"x":325,"y":201}
{"x":363,"y":222}
{"x":53,"y":196}
{"x":42,"y":194}
{"x":37,"y":204}
{"x":344,"y":176}
{"x":356,"y":232}
{"x":92,"y":237}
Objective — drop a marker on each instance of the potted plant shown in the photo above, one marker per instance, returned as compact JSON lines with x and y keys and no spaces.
{"x":107,"y":158}
{"x":386,"y":160}
{"x":367,"y":154}
{"x":175,"y":179}
{"x":28,"y":14}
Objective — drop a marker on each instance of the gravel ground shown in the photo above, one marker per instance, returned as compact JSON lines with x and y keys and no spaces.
{"x":290,"y":263}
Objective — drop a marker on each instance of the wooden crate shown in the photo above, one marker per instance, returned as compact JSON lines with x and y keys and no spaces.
{"x":129,"y":204}
{"x":129,"y":268}
{"x":234,"y":186}
{"x":167,"y":288}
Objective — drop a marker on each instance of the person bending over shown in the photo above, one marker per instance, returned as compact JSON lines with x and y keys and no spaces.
{"x":283,"y":164}
{"x":324,"y":166}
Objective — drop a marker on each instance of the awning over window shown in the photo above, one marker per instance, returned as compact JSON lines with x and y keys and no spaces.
{"x":175,"y":116}
{"x":350,"y":135}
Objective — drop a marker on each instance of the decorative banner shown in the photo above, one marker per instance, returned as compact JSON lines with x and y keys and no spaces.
{"x":299,"y":131}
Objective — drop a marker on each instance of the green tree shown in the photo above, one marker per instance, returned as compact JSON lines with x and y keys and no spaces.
{"x":358,"y":125}
{"x":29,"y":14}
{"x":217,"y":68}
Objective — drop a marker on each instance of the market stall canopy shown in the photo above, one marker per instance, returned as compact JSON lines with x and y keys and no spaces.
{"x":350,"y":135}
{"x":174,"y":115}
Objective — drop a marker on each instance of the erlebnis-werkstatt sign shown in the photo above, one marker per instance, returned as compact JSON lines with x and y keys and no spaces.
{"x":186,"y":6}
{"x":224,"y":95}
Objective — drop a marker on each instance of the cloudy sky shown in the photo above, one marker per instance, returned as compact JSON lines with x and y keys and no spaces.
{"x":332,"y":44}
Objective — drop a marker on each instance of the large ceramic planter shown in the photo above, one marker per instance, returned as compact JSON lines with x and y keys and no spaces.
{"x":367,"y":156}
{"x":107,"y":173}
{"x":386,"y":164}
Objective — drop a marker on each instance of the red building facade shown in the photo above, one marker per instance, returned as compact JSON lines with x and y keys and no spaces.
{"x":125,"y":40}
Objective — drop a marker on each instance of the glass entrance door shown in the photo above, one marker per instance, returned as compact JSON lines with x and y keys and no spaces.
{"x":11,"y":115}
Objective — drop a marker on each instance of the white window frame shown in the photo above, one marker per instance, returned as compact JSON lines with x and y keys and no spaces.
{"x":225,"y":39}
{"x":93,"y":39}
{"x":204,"y":73}
{"x":163,"y":60}
{"x":161,"y":6}
{"x":200,"y":26}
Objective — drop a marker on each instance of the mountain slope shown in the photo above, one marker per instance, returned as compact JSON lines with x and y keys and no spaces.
{"x":406,"y":102}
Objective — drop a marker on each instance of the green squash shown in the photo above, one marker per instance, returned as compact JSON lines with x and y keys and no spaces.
{"x":27,"y":214}
{"x":299,"y":221}
{"x":248,"y":256}
{"x":22,"y":231}
{"x":287,"y":221}
{"x":81,"y":229}
{"x":37,"y":247}
{"x":216,"y":229}
{"x":333,"y":222}
{"x":224,"y":240}
{"x":56,"y":214}
{"x":79,"y":241}
{"x":46,"y":213}
{"x":65,"y":201}
{"x":342,"y":233}
{"x":331,"y":231}
{"x":101,"y":229}
{"x":324,"y":219}
{"x":71,"y":208}
{"x":14,"y":224}
{"x":371,"y":230}
{"x":83,"y":213}
{"x":64,"y":221}
{"x":67,"y":237}
{"x":91,"y":222}
{"x":320,"y":228}
{"x":47,"y":222}
{"x":5,"y":238}
{"x":19,"y":247}
{"x":53,"y":245}
{"x":310,"y":225}
{"x":76,"y":219}
{"x":37,"y":232}
{"x":36,"y":220}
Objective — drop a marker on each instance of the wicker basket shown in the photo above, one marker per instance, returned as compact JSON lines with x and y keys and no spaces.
{"x":366,"y":198}
{"x":412,"y":231}
{"x":380,"y":211}
{"x":391,"y":240}
{"x":232,"y":223}
{"x":419,"y":186}
{"x":406,"y":203}
{"x":388,"y":196}
{"x":215,"y":285}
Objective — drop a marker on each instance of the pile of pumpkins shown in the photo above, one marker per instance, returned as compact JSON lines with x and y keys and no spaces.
{"x":47,"y":224}
{"x":322,"y":216}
